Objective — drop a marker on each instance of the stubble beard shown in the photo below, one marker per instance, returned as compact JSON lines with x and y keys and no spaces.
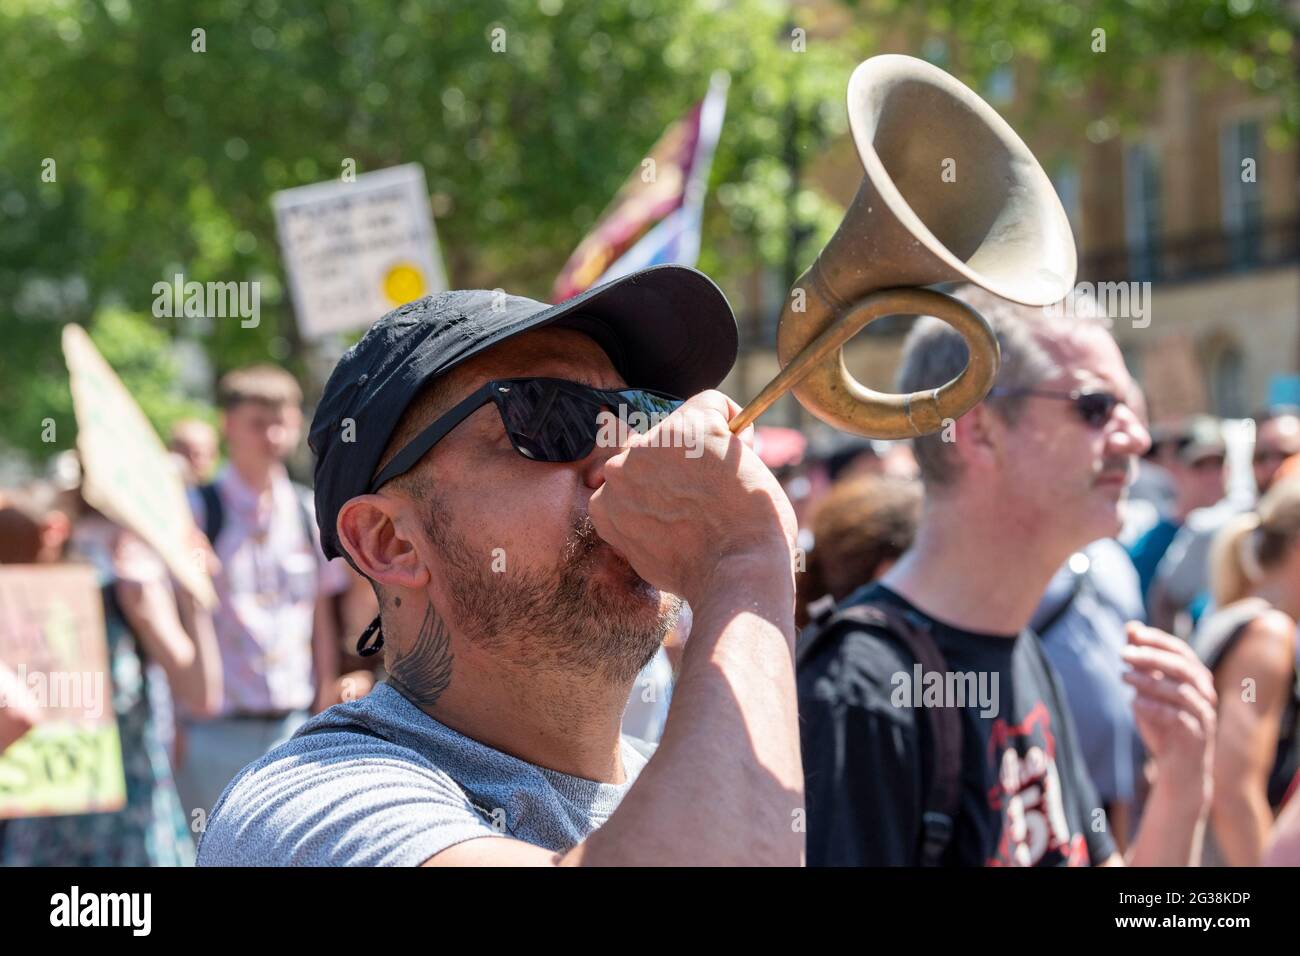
{"x":571,"y":619}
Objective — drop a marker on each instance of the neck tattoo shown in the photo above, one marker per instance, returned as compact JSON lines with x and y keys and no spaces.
{"x":422,"y":670}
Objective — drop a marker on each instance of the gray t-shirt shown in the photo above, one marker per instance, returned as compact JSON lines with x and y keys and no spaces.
{"x":377,"y":782}
{"x":1088,"y":612}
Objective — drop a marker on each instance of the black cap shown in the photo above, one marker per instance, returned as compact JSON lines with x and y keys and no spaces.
{"x":667,"y":327}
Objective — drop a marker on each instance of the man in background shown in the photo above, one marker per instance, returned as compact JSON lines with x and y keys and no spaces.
{"x":194,"y":443}
{"x":1192,"y":455}
{"x":1277,"y":438}
{"x":274,"y":621}
{"x":997,"y":778}
{"x":1082,"y":623}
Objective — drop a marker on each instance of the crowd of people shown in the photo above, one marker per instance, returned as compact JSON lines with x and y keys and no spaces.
{"x":198,"y":693}
{"x":1047,"y":635}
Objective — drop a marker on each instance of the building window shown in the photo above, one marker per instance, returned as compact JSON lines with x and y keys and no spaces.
{"x":1227,"y":381}
{"x":1240,"y":194}
{"x":1142,"y":209}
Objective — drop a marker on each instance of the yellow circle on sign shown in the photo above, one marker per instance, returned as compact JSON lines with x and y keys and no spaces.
{"x":403,"y":283}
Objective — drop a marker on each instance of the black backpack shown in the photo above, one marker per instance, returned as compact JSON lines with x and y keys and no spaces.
{"x":940,"y":803}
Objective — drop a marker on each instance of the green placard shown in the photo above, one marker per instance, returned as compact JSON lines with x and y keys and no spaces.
{"x":52,"y":639}
{"x":63,"y":767}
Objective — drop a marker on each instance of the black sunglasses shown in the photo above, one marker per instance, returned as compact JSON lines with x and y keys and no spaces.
{"x":1268,"y":456}
{"x":1208,"y":462}
{"x":1094,"y":407}
{"x":546,"y":419}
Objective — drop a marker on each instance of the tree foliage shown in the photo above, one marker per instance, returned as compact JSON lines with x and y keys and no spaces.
{"x":525,"y":114}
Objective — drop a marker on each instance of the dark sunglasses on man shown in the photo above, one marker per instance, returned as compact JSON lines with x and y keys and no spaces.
{"x":1269,"y":456}
{"x":1093,"y":406}
{"x":546,"y":419}
{"x":1211,"y":462}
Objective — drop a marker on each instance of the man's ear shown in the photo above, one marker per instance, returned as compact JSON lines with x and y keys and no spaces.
{"x":372,"y":530}
{"x":977,"y":437}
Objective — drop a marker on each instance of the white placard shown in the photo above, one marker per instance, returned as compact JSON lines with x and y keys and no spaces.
{"x":126,"y":470}
{"x":355,"y":250}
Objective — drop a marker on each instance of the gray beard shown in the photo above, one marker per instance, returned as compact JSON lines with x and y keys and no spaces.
{"x":563,"y":621}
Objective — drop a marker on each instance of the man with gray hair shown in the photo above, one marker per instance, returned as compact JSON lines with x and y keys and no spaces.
{"x":934,"y":728}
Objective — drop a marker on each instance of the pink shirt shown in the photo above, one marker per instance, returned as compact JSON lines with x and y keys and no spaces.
{"x":271,"y":575}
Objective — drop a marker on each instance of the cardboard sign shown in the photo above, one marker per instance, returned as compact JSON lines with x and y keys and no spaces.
{"x":126,"y":471}
{"x":356,"y":250}
{"x":52,"y":638}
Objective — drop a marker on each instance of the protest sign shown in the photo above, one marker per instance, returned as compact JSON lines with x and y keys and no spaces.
{"x":127,"y":473}
{"x":356,"y":249}
{"x":52,"y":638}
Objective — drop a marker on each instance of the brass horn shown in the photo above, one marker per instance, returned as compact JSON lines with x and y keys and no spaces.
{"x":950,"y":193}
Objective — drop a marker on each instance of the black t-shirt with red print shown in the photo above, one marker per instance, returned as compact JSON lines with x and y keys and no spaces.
{"x":1026,"y":798}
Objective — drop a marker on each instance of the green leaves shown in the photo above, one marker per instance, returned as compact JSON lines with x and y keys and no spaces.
{"x":526,"y":116}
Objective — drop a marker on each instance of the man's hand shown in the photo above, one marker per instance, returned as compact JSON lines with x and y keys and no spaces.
{"x":1175,"y":707}
{"x":676,"y":516}
{"x":1175,"y":710}
{"x":725,"y":786}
